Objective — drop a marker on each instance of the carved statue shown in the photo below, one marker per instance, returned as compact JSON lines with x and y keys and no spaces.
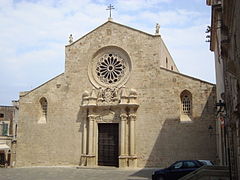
{"x":100,"y":93}
{"x":157,"y":28}
{"x":70,"y":39}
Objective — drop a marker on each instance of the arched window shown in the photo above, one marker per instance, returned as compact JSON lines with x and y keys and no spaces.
{"x":186,"y":105}
{"x":44,"y":109}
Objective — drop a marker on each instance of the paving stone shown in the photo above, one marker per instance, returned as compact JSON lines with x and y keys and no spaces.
{"x":73,"y":173}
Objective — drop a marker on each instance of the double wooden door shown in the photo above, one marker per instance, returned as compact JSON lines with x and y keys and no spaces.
{"x":108,"y":144}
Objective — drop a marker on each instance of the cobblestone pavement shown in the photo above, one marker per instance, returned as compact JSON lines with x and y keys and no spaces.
{"x":73,"y":173}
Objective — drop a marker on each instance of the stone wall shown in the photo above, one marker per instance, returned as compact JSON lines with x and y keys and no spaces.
{"x":161,"y":137}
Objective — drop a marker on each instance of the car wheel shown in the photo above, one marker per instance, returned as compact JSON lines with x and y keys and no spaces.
{"x":160,"y":178}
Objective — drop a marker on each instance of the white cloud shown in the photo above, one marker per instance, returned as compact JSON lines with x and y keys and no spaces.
{"x":172,"y":17}
{"x":33,"y":35}
{"x":134,"y":5}
{"x":190,"y":51}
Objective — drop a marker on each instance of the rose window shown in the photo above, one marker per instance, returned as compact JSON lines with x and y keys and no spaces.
{"x":110,"y":68}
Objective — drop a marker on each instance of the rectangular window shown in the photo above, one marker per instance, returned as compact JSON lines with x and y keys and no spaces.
{"x":4,"y":129}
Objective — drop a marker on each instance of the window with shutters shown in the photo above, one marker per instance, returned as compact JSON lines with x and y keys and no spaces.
{"x":4,"y":129}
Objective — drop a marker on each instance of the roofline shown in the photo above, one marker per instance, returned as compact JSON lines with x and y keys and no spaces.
{"x":41,"y":85}
{"x":116,"y":24}
{"x":213,"y":32}
{"x":170,"y":54}
{"x":187,"y":76}
{"x":178,"y":73}
{"x":5,"y":106}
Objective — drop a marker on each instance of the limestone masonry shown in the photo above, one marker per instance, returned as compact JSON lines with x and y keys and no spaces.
{"x":120,"y":102}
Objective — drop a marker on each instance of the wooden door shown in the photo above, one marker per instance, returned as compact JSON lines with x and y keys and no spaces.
{"x":108,"y":144}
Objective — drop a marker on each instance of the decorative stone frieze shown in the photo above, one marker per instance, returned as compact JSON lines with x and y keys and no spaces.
{"x":110,"y":96}
{"x":107,"y":96}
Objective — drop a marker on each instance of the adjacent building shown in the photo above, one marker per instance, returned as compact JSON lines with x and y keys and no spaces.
{"x":225,"y":43}
{"x":8,"y":128}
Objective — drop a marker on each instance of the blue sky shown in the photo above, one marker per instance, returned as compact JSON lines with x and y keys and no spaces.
{"x":34,"y":33}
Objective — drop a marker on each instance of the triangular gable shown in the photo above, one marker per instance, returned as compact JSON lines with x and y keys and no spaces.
{"x":111,"y":22}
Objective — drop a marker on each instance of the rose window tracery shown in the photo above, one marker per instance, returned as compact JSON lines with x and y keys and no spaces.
{"x":110,"y":68}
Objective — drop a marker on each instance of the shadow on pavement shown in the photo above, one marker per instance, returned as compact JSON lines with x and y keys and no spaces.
{"x":145,"y":173}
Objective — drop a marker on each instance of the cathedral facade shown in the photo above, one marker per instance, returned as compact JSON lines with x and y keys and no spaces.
{"x":120,"y":102}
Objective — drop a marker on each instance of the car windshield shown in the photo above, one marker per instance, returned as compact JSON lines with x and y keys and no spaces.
{"x":177,"y":165}
{"x":206,"y":162}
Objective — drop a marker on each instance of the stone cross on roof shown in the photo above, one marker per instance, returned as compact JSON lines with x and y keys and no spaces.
{"x":110,"y":7}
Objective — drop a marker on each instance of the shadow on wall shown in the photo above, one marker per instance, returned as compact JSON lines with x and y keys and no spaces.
{"x":81,"y":118}
{"x":179,"y":140}
{"x":183,"y":140}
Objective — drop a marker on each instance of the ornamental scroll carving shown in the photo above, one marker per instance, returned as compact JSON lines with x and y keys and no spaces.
{"x":109,"y":96}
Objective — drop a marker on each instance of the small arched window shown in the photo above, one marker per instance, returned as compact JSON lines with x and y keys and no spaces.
{"x":44,"y":110}
{"x":186,"y":105}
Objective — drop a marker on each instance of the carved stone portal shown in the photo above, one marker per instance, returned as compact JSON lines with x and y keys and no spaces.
{"x":110,"y":105}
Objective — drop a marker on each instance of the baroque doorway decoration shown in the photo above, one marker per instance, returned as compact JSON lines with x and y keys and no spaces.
{"x":109,"y":106}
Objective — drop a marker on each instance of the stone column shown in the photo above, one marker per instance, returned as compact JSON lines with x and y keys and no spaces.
{"x":84,"y":144}
{"x":85,"y":137}
{"x":90,"y":134}
{"x":123,"y":155}
{"x":132,"y":134}
{"x":132,"y":157}
{"x":91,"y":154}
